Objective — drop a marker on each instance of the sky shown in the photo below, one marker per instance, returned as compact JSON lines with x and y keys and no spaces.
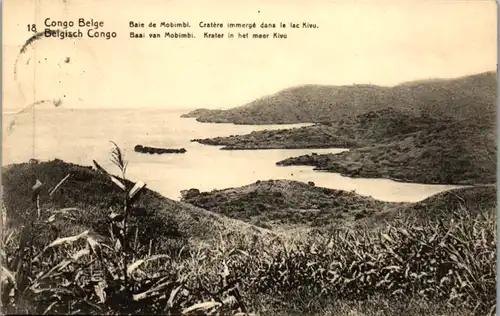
{"x":361,"y":42}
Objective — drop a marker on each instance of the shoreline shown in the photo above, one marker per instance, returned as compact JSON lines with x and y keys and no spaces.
{"x":397,"y":180}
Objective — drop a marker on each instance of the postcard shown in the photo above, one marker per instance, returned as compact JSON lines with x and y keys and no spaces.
{"x":249,"y":157}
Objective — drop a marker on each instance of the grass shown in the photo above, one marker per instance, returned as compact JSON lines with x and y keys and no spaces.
{"x":445,"y":264}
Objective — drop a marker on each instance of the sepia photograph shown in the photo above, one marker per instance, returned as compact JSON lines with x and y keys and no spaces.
{"x":268,"y":158}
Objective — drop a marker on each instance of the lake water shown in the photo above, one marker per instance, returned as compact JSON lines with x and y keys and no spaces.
{"x":79,"y":136}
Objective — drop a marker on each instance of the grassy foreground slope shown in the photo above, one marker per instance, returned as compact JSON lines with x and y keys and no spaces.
{"x":411,"y":243}
{"x":96,"y":197}
{"x":459,"y":98}
{"x":439,"y":265}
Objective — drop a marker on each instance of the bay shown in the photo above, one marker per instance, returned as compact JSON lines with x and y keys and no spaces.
{"x":82,"y":135}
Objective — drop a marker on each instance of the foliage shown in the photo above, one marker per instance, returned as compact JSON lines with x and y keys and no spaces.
{"x":447,"y":260}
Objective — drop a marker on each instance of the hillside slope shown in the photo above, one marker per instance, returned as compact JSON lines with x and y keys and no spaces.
{"x":95,"y":196}
{"x":365,"y":129}
{"x":454,"y":153}
{"x":459,"y":98}
{"x":281,"y":203}
{"x":290,"y":204}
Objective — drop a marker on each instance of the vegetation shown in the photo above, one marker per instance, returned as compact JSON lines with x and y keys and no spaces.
{"x":424,"y":265}
{"x":389,"y":143}
{"x":292,"y":205}
{"x":111,"y":265}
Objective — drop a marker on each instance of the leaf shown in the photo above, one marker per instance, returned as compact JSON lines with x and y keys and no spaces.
{"x":118,"y":182}
{"x":94,"y":245}
{"x":139,"y":185}
{"x":6,"y":274}
{"x":225,"y":273}
{"x":8,"y":238}
{"x":386,"y":237}
{"x":170,"y":302}
{"x":38,"y":184}
{"x":67,"y":240}
{"x":136,"y":264}
{"x":66,"y":211}
{"x":100,"y":290}
{"x":230,"y":300}
{"x":118,"y":245}
{"x":59,"y":184}
{"x":58,"y":267}
{"x":80,"y":254}
{"x":116,"y":217}
{"x":201,"y":306}
{"x":47,"y":310}
{"x":243,"y":252}
{"x":143,"y":295}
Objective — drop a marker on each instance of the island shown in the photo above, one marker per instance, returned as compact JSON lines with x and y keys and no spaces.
{"x":160,"y":151}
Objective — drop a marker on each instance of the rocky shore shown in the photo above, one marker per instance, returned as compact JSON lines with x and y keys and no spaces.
{"x":316,"y":136}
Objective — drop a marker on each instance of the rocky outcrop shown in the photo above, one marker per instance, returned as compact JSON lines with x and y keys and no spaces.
{"x":153,"y":150}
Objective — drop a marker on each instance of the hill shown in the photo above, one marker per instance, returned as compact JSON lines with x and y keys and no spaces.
{"x":287,"y":204}
{"x":388,"y":143}
{"x":459,"y":98}
{"x":199,"y":112}
{"x":95,"y":197}
{"x":365,"y":129}
{"x":475,"y":199}
{"x":454,"y":153}
{"x":282,"y":203}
